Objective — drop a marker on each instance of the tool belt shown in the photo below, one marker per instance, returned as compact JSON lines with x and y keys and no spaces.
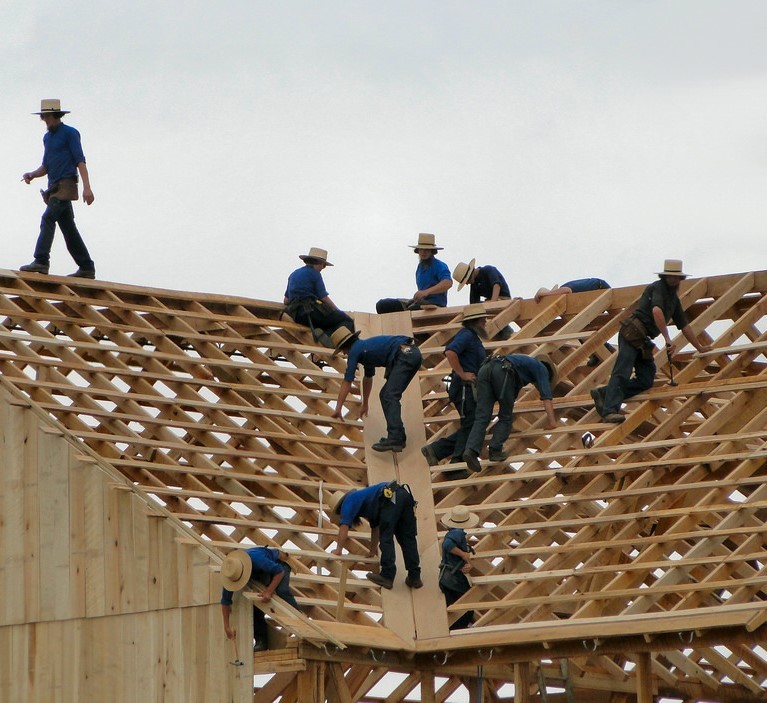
{"x":64,"y":189}
{"x":635,"y":333}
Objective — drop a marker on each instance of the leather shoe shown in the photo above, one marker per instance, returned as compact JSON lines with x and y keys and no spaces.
{"x":497,"y":455}
{"x":472,"y":461}
{"x":598,"y":396}
{"x":380,"y":580}
{"x":34,"y":267}
{"x":615,"y":418}
{"x":414,"y":582}
{"x":388,"y":445}
{"x":429,"y":455}
{"x":83,"y":273}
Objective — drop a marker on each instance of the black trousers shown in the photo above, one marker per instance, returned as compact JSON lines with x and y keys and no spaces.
{"x":398,"y":521}
{"x":467,"y":618}
{"x":61,"y":212}
{"x":404,"y":367}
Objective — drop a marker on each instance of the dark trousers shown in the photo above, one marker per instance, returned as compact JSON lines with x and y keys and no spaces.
{"x":260,"y":630}
{"x":467,"y":618}
{"x":454,"y":444}
{"x":386,"y":305}
{"x":400,"y":373}
{"x":321,"y":317}
{"x":621,"y":385}
{"x":61,"y":212}
{"x":494,"y":383}
{"x":398,"y":521}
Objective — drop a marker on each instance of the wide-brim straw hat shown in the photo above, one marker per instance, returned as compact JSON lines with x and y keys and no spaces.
{"x":50,"y":105}
{"x":236,"y":570}
{"x":544,"y":291}
{"x":334,"y":504}
{"x":462,"y":272}
{"x":460,"y":516}
{"x":475,"y":311}
{"x":341,"y":336}
{"x":316,"y":253}
{"x":545,"y":359}
{"x":426,"y":241}
{"x":672,"y":267}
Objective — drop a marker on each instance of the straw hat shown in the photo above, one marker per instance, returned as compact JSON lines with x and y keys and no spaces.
{"x":236,"y":570}
{"x":335,"y":505}
{"x":544,"y":291}
{"x":474,"y":312}
{"x":316,"y":253}
{"x":460,"y":516}
{"x":50,"y":105}
{"x":672,"y":267}
{"x":462,"y":272}
{"x":426,"y":241}
{"x":545,"y":359}
{"x":342,"y":336}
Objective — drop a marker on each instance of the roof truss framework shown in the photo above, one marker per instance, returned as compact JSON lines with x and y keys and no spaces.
{"x":219,"y":413}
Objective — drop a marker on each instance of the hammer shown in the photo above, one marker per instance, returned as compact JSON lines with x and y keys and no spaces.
{"x":237,"y":661}
{"x":671,"y":382}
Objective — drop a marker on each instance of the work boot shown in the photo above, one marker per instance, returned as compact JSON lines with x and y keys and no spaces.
{"x":615,"y":418}
{"x":414,"y":582}
{"x":380,"y":580}
{"x":429,"y":455}
{"x":472,"y":461}
{"x":35,"y":267}
{"x":388,"y":445}
{"x":497,"y":455}
{"x":82,"y":273}
{"x":598,"y":396}
{"x":457,"y":475}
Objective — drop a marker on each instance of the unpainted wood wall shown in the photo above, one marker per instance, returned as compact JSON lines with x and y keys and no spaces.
{"x":98,"y":599}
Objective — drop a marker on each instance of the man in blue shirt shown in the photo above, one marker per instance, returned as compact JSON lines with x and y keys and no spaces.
{"x":485,"y":282}
{"x":456,"y":560}
{"x":579,"y":285}
{"x":500,"y":379}
{"x":432,"y":279}
{"x":465,"y":354}
{"x":63,"y":159}
{"x":400,"y":357}
{"x":658,"y":305}
{"x":390,"y":510}
{"x":308,"y":302}
{"x":263,"y":565}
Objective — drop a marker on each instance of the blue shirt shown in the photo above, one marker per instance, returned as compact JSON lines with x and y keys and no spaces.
{"x":305,"y":282}
{"x":265,"y":562}
{"x":581,"y":285}
{"x":372,"y":352}
{"x":487,"y":277}
{"x":430,"y":273}
{"x":530,"y":370}
{"x":455,"y":537}
{"x":468,"y":346}
{"x":363,"y":502}
{"x":62,"y":152}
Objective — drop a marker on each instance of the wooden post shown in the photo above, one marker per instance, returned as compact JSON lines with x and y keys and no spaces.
{"x":522,"y":682}
{"x":644,"y":678}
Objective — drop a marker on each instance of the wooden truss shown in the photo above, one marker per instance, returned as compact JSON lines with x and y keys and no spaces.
{"x":631,"y":569}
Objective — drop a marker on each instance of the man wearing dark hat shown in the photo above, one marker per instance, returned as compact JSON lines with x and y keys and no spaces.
{"x":400,"y":357}
{"x":263,"y":565}
{"x":63,"y":160}
{"x":390,"y":510}
{"x":500,"y":379}
{"x":658,"y":306}
{"x":456,"y":560}
{"x":465,"y":354}
{"x":308,"y":302}
{"x":432,"y":279}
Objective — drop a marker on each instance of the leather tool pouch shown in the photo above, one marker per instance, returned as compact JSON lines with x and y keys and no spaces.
{"x":635,"y":333}
{"x":67,"y":189}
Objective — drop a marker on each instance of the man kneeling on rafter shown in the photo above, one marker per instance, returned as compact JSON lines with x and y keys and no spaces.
{"x":658,"y":305}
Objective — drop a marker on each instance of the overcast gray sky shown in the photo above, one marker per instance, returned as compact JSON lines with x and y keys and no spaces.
{"x":555,"y":139}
